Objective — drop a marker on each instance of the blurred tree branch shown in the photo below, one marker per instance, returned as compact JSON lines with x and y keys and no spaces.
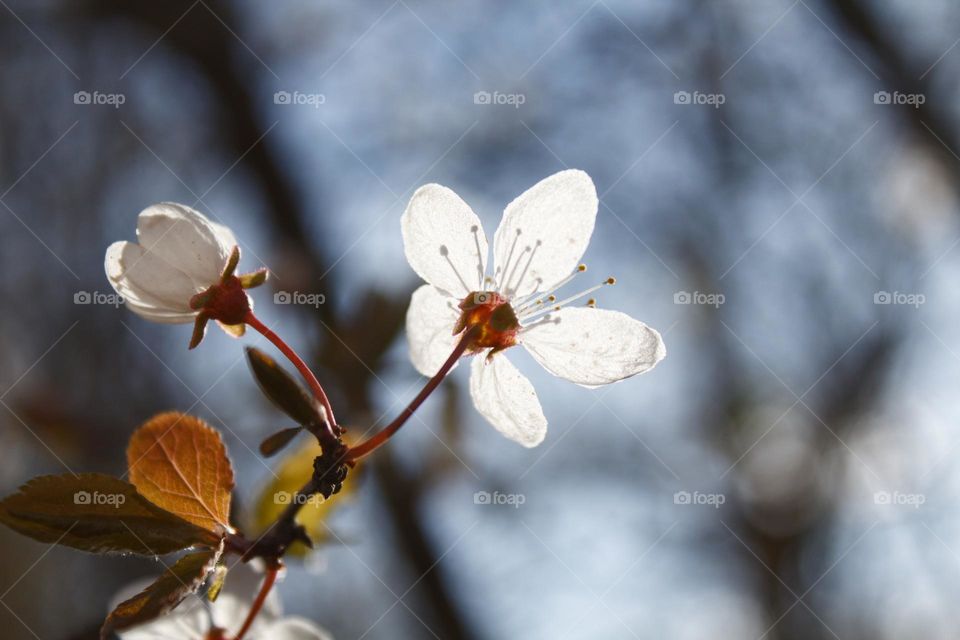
{"x":931,"y":124}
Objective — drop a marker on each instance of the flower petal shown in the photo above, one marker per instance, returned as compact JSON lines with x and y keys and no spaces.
{"x":505,"y":397}
{"x":150,"y":287}
{"x":593,"y":347}
{"x":240,"y":589}
{"x":544,"y":233}
{"x":430,"y":321}
{"x":296,"y":628}
{"x":186,"y":240}
{"x":444,"y":241}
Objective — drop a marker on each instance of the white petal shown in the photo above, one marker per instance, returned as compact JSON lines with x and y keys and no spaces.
{"x":430,"y":321}
{"x":225,"y":239}
{"x":506,"y":398}
{"x":239,"y":591}
{"x":163,"y":317}
{"x":593,"y":346}
{"x":544,"y":233}
{"x":150,"y":287}
{"x":444,"y":240}
{"x":186,"y":240}
{"x":296,"y":628}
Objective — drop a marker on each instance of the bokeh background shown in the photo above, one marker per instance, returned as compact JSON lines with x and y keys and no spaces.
{"x":779,"y":198}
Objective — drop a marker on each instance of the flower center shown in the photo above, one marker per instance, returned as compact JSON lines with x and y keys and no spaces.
{"x":225,"y":301}
{"x":492,"y":320}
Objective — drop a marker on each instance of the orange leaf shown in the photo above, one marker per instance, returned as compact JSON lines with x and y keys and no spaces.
{"x":179,"y":463}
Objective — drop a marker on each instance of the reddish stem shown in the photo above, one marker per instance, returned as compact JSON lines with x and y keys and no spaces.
{"x":384,"y":434}
{"x":298,"y":362}
{"x":268,"y":581}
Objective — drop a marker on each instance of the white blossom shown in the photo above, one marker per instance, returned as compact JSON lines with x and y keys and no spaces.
{"x":537,"y":250}
{"x":178,"y":254}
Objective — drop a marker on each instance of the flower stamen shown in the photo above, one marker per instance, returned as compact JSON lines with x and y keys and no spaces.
{"x":523,"y":304}
{"x":523,"y":274}
{"x":446,"y":255}
{"x":506,"y":283}
{"x":476,"y":241}
{"x":536,"y":312}
{"x":506,"y":264}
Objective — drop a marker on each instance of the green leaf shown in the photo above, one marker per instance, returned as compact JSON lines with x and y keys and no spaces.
{"x":98,"y":513}
{"x":278,"y":441}
{"x":282,"y":389}
{"x":169,"y":590}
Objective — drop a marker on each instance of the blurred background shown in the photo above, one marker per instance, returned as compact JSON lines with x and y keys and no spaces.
{"x":778,"y":188}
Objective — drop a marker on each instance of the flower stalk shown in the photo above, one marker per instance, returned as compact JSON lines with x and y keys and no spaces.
{"x":378,"y":439}
{"x":268,"y":581}
{"x":308,"y":375}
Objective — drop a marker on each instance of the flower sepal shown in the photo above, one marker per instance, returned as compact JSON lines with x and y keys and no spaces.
{"x":226,"y":301}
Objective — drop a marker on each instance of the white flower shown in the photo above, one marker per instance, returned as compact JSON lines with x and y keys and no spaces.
{"x":194,"y":617}
{"x":536,"y":250}
{"x":179,"y":253}
{"x":182,"y":271}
